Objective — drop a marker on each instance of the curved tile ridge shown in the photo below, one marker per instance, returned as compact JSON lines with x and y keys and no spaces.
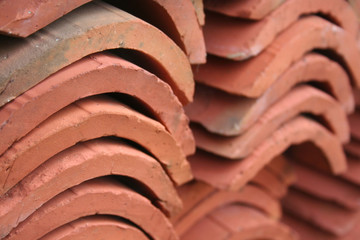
{"x":249,"y":38}
{"x":228,"y":174}
{"x":87,"y":119}
{"x":250,"y":9}
{"x":94,"y":228}
{"x":98,"y":196}
{"x":253,"y":77}
{"x":100,"y":157}
{"x":239,"y":222}
{"x":93,"y":27}
{"x":96,"y":74}
{"x":302,"y":99}
{"x":233,"y":115}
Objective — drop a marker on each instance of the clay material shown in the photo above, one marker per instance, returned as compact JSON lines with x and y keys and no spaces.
{"x":249,"y":38}
{"x":354,"y":120}
{"x":325,"y":215}
{"x":249,"y":195}
{"x":86,"y":119}
{"x":251,"y":9}
{"x":327,"y":187}
{"x":352,"y":173}
{"x":228,"y":174}
{"x":94,"y":228}
{"x":99,"y":157}
{"x":23,"y":18}
{"x":281,"y":166}
{"x":238,"y":222}
{"x":270,"y":182}
{"x":99,"y":196}
{"x":99,"y":73}
{"x":91,"y":28}
{"x":251,"y":78}
{"x":303,"y":99}
{"x":227,"y":114}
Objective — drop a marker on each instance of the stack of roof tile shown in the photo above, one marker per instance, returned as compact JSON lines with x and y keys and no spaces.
{"x":278,"y":84}
{"x":93,"y":142}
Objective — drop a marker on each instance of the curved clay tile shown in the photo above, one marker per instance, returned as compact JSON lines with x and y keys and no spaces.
{"x":179,"y":21}
{"x":243,"y":112}
{"x":91,"y":28}
{"x":309,"y":232}
{"x":233,"y":174}
{"x":354,"y":120}
{"x":353,"y":148}
{"x":66,"y":169}
{"x":325,"y":215}
{"x":281,"y":166}
{"x":250,"y":9}
{"x":327,"y":187}
{"x":267,"y":180}
{"x":88,"y":119}
{"x":302,"y":99}
{"x":98,"y":196}
{"x":238,"y":222}
{"x":252,"y":77}
{"x":94,"y":228}
{"x":249,"y":38}
{"x":249,"y":195}
{"x":356,"y":93}
{"x":352,"y":173}
{"x":96,"y":74}
{"x":191,"y":194}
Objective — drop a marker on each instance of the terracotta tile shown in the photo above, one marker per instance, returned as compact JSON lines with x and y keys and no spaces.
{"x":96,"y":74}
{"x":353,"y":148}
{"x":21,"y":18}
{"x":199,"y":8}
{"x":26,"y":17}
{"x":249,"y":38}
{"x":241,"y":222}
{"x":352,"y":173}
{"x":356,"y":93}
{"x":251,"y":9}
{"x":284,"y":169}
{"x":327,"y":187}
{"x":354,"y":120}
{"x":226,"y":114}
{"x":302,"y":99}
{"x":99,"y":157}
{"x":96,"y":227}
{"x":99,"y":196}
{"x":90,"y":28}
{"x":270,"y":182}
{"x":178,"y":20}
{"x":252,"y":77}
{"x":229,"y":174}
{"x":325,"y":215}
{"x":191,"y":194}
{"x":249,"y":195}
{"x":87,"y":119}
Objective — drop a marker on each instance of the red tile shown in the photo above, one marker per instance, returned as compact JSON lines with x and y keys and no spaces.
{"x":96,"y":227}
{"x":270,"y":182}
{"x":249,"y":195}
{"x":354,"y":120}
{"x":324,"y":215}
{"x":99,"y":157}
{"x":226,"y":114}
{"x":240,"y":39}
{"x":251,"y":9}
{"x":284,"y":169}
{"x":352,"y":173}
{"x":233,"y":174}
{"x":99,"y":196}
{"x":353,"y":148}
{"x":96,"y":74}
{"x":87,"y":119}
{"x":252,"y":77}
{"x":302,"y":99}
{"x":327,"y":187}
{"x":91,"y":28}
